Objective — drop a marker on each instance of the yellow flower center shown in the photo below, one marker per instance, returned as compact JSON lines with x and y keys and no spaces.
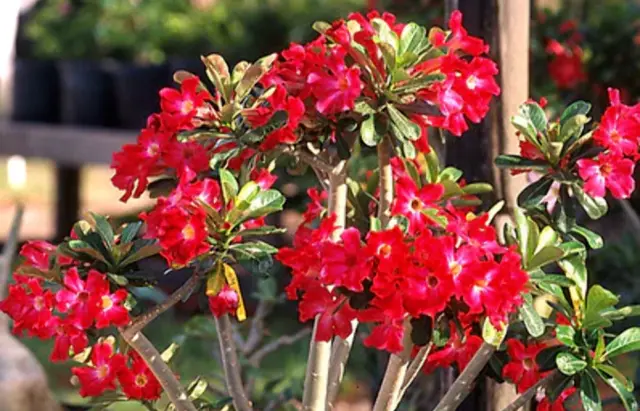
{"x":187,"y":107}
{"x":188,"y":232}
{"x":472,"y":82}
{"x":107,"y":303}
{"x":102,"y":371}
{"x":141,"y":380}
{"x":455,"y":268}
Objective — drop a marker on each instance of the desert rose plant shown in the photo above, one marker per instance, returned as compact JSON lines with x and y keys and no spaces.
{"x":405,"y":251}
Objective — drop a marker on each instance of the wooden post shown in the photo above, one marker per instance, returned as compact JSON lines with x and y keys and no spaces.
{"x":513,"y":47}
{"x":67,"y":199}
{"x":504,"y":25}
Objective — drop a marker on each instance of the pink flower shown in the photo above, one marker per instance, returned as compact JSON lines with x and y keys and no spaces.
{"x":336,"y":87}
{"x":607,"y":170}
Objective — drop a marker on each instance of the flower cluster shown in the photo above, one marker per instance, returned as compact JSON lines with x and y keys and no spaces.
{"x":82,"y":302}
{"x":445,"y":260}
{"x":618,"y":134}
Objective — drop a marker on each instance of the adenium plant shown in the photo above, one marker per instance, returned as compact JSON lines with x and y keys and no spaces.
{"x":406,"y":251}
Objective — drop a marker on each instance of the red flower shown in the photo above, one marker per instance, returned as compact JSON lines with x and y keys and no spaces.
{"x":37,"y":254}
{"x":180,"y":229}
{"x":30,"y":306}
{"x":335,"y":313}
{"x":459,"y":350}
{"x":68,"y":336}
{"x":101,"y":376}
{"x":412,"y":202}
{"x":459,"y":39}
{"x":315,"y":207}
{"x":188,"y":159}
{"x":345,"y":264}
{"x":263,"y":178}
{"x":225,"y":302}
{"x":184,"y":103}
{"x":335,"y":86}
{"x":137,"y":381}
{"x":389,"y":313}
{"x":608,"y":170}
{"x":558,"y":404}
{"x":566,"y":69}
{"x":619,"y":127}
{"x":294,"y":107}
{"x":135,"y":163}
{"x":86,"y":301}
{"x":523,"y":370}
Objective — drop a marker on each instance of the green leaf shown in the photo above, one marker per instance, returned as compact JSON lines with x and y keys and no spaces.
{"x":511,"y":161}
{"x":598,"y":299}
{"x":546,"y":358}
{"x":229,"y":185}
{"x":168,"y":353}
{"x":556,"y":279}
{"x":375,"y":224}
{"x":522,"y":228}
{"x":532,"y":320}
{"x":574,"y":267}
{"x":491,"y":335}
{"x":621,"y":313}
{"x":569,"y":364}
{"x":572,"y":248}
{"x":264,"y":203}
{"x":368,"y":132}
{"x":535,"y":117}
{"x":389,"y":55}
{"x":260,"y":231}
{"x":533,"y":194}
{"x":385,"y":34}
{"x":595,"y":207}
{"x":626,"y":342}
{"x":589,"y":393}
{"x":576,"y":108}
{"x":566,"y":334}
{"x":573,"y":127}
{"x":130,"y":232}
{"x":626,"y":396}
{"x":477,"y":188}
{"x":450,"y":173}
{"x":548,"y":237}
{"x":546,"y":256}
{"x":433,"y":166}
{"x":149,"y":248}
{"x":321,"y":26}
{"x":401,"y":126}
{"x":612,"y":371}
{"x":104,"y":229}
{"x":79,"y":246}
{"x":254,"y":249}
{"x":218,"y":73}
{"x":413,"y":39}
{"x":593,"y":239}
{"x":197,"y":388}
{"x":252,"y":75}
{"x":408,"y":149}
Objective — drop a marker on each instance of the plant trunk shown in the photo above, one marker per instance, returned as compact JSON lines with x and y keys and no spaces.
{"x":317,"y":376}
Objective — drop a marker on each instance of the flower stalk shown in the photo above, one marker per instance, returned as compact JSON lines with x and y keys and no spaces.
{"x":526,"y":396}
{"x":230,"y":364}
{"x":317,"y":376}
{"x":167,"y":379}
{"x":463,"y":385}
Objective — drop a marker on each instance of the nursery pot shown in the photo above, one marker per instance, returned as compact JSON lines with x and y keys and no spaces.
{"x":136,"y":89}
{"x":85,"y":93}
{"x":36,"y":91}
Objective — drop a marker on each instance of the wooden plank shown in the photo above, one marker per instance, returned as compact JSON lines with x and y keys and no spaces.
{"x":65,"y":145}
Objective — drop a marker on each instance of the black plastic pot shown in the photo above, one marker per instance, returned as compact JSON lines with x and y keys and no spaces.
{"x":86,"y":94}
{"x":36,"y":91}
{"x":136,"y":92}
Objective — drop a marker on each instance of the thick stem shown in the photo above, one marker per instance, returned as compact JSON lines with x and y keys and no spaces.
{"x":414,"y":369}
{"x":338,"y":364}
{"x":463,"y":384}
{"x":317,"y":376}
{"x":167,"y":379}
{"x":394,"y":376}
{"x":526,"y":396}
{"x":386,"y":182}
{"x":143,"y":320}
{"x":231,"y":364}
{"x":6,"y":259}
